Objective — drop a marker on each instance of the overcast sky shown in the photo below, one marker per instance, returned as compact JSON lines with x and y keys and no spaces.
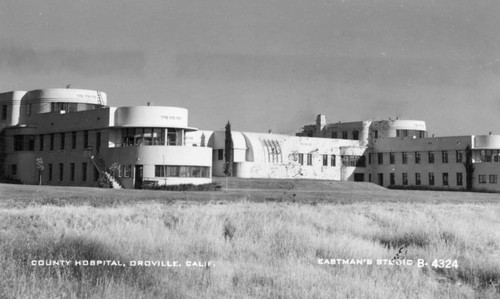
{"x":267,"y":64}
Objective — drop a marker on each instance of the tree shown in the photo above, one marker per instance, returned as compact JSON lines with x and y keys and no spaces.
{"x":40,"y":167}
{"x":469,"y":168}
{"x":228,"y":151}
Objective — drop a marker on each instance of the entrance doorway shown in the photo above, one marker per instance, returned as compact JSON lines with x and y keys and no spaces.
{"x":138,"y":176}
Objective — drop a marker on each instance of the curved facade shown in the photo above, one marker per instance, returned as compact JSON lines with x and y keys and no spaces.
{"x":83,"y":142}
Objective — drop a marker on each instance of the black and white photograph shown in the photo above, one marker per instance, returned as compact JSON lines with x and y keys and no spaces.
{"x":249,"y":149}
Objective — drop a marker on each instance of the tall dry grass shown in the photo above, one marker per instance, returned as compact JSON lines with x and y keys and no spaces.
{"x":259,"y":249}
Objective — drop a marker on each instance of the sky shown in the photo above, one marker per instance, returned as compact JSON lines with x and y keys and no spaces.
{"x":267,"y":64}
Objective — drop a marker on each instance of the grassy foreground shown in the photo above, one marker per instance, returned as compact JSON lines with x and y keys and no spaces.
{"x":262,"y":244}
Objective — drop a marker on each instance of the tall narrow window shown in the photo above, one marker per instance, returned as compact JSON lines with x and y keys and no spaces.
{"x":460,"y":156}
{"x":460,"y":179}
{"x":325,"y":160}
{"x":84,"y":171}
{"x":220,"y":154}
{"x":333,"y":161}
{"x":375,"y":134}
{"x":344,"y":135}
{"x":72,"y":171}
{"x":404,"y":157}
{"x":41,"y":143}
{"x":85,"y":139}
{"x":431,"y":179}
{"x":417,"y":157}
{"x":355,"y":135}
{"x":63,"y":140}
{"x":309,"y":159}
{"x":445,"y":179}
{"x":493,"y":178}
{"x":405,"y":178}
{"x":431,"y":157}
{"x":52,"y":136}
{"x":4,"y":112}
{"x":380,"y":158}
{"x":445,"y":156}
{"x":392,"y":158}
{"x":61,"y":172}
{"x":418,"y":181}
{"x":73,"y":140}
{"x":50,"y":172}
{"x":301,"y":159}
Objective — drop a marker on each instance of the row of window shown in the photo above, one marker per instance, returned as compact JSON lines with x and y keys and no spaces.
{"x":72,"y":172}
{"x":459,"y":176}
{"x":27,"y":142}
{"x":151,"y":136}
{"x":345,"y":135}
{"x":418,"y":157}
{"x":182,"y":171}
{"x":399,"y":133}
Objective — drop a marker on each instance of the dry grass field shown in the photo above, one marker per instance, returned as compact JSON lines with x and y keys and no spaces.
{"x":263,"y":239}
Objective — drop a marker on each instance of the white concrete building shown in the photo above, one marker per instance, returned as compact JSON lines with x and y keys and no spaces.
{"x":399,"y":153}
{"x":80,"y":139}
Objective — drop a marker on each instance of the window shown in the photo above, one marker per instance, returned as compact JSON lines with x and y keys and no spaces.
{"x":325,"y":160}
{"x":460,"y":179}
{"x":50,"y":172}
{"x":431,"y":157}
{"x":398,"y":133}
{"x":28,"y":109}
{"x":85,"y":139}
{"x":333,"y":161}
{"x":445,"y":156}
{"x":301,"y":159}
{"x":334,"y":135}
{"x":380,"y":158}
{"x":4,"y":112}
{"x":72,"y":171}
{"x":84,"y":171}
{"x":370,"y":158}
{"x":405,"y":178}
{"x":417,"y":158}
{"x":73,"y":140}
{"x":344,"y":135}
{"x":460,"y":156}
{"x":13,"y":169}
{"x":52,"y":141}
{"x":445,"y":179}
{"x":220,"y":154}
{"x":182,"y":171}
{"x":405,"y":157}
{"x":418,"y":181}
{"x":421,"y":134}
{"x":159,"y":170}
{"x":63,"y":140}
{"x":309,"y":159}
{"x":61,"y":172}
{"x":493,"y":178}
{"x":355,"y":135}
{"x":482,"y":179}
{"x":128,"y":171}
{"x":353,"y":161}
{"x":392,"y":179}
{"x":392,"y":158}
{"x":24,"y":142}
{"x":431,"y":179}
{"x":375,"y":134}
{"x":40,"y":138}
{"x":404,"y":133}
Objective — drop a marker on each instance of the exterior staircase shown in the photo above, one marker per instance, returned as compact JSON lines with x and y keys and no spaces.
{"x":105,"y":171}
